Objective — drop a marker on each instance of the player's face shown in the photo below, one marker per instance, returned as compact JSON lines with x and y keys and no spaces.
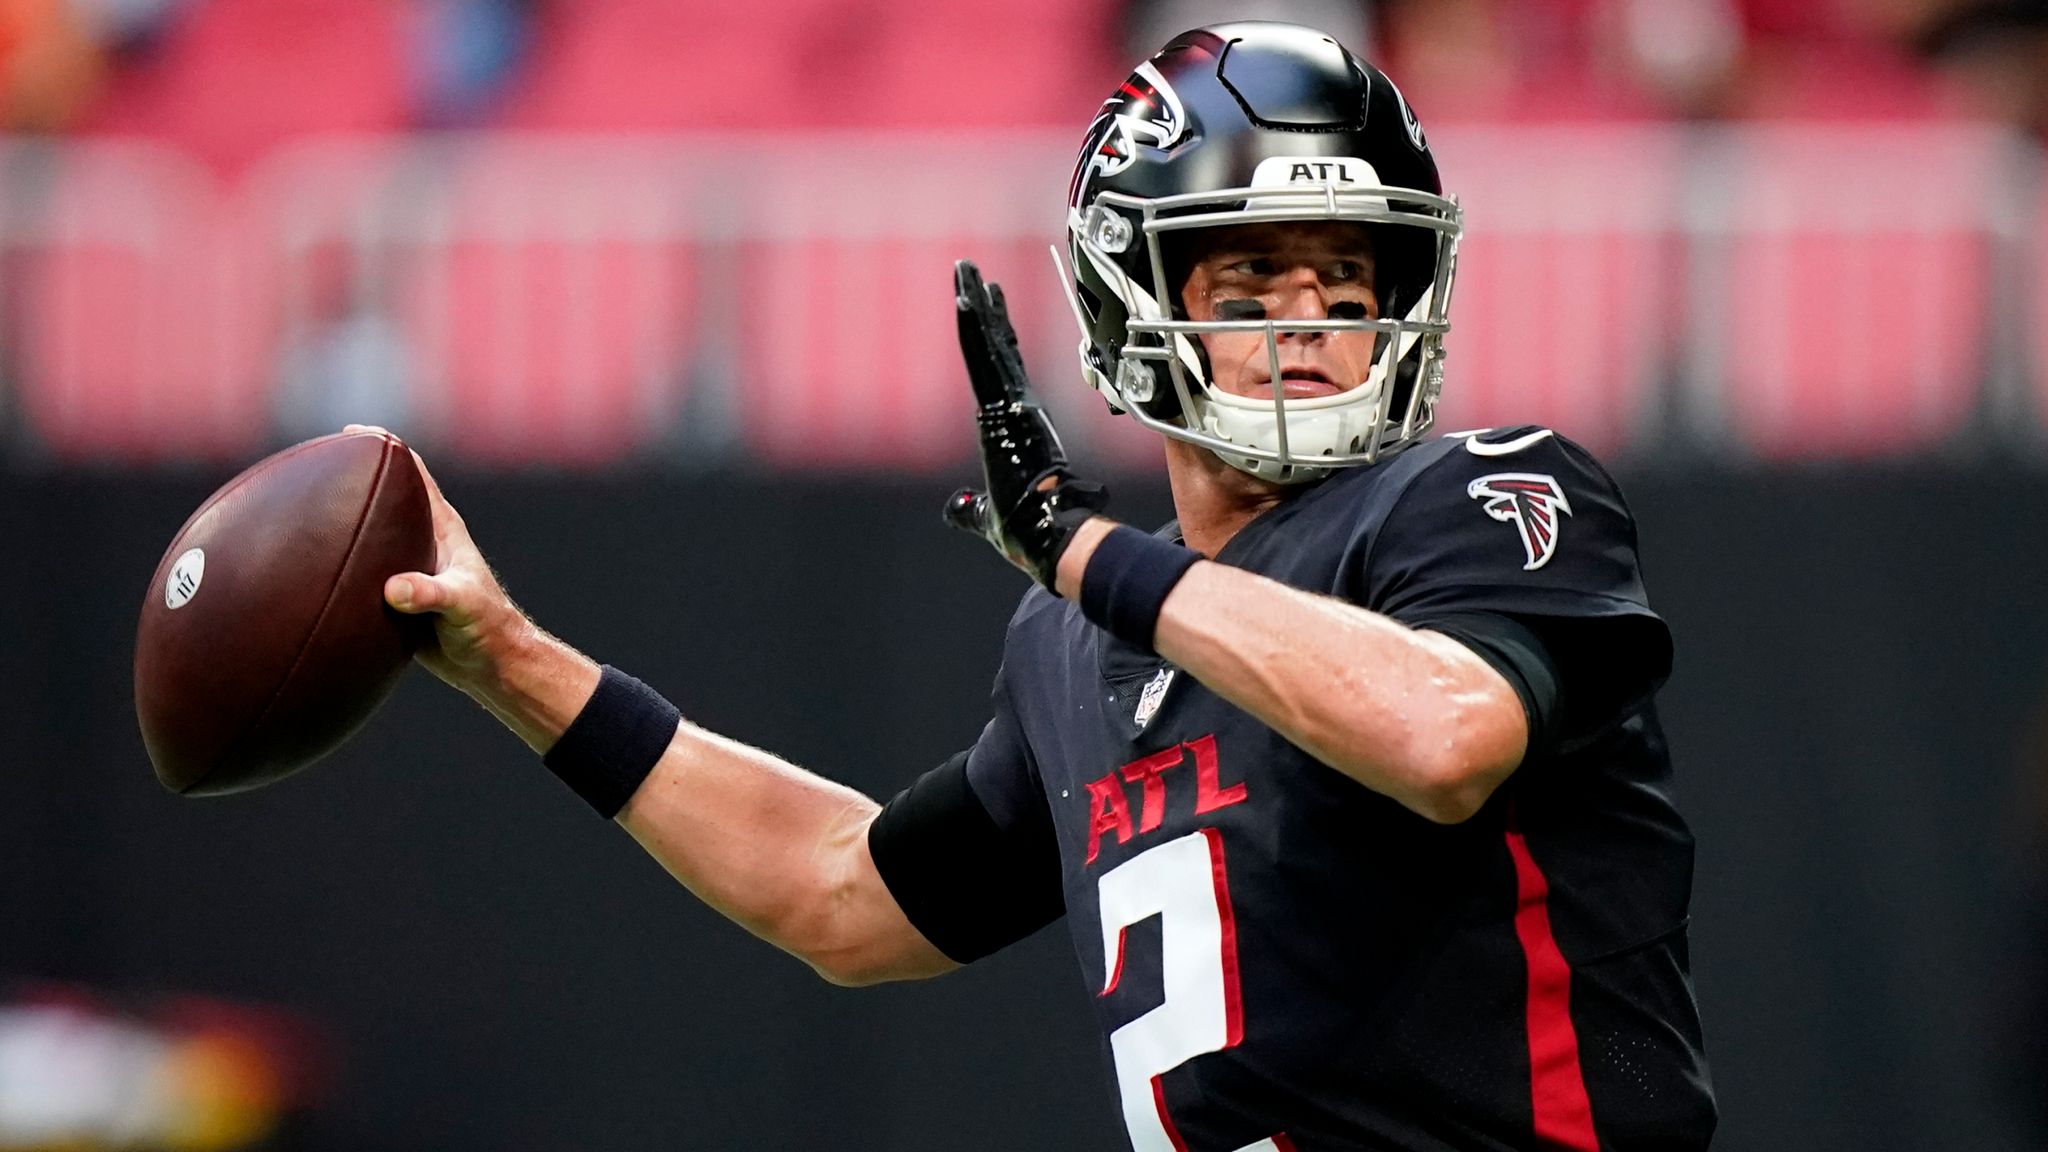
{"x":1314,"y":270}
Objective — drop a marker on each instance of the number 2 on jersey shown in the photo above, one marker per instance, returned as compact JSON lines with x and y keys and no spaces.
{"x":1183,"y":883}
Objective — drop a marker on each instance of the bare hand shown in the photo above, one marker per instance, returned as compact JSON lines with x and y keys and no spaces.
{"x":474,"y":620}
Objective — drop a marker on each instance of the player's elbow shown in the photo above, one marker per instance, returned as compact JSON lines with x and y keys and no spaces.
{"x":841,"y":956}
{"x":1452,"y":798}
{"x":851,"y":932}
{"x":848,"y":971}
{"x":877,"y":961}
{"x":1457,"y":771}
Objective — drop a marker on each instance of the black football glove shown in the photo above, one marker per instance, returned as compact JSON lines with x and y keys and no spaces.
{"x":1032,"y":504}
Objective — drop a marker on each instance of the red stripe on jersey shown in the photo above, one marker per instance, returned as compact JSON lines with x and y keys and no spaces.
{"x":1165,"y":1121}
{"x":1564,"y":1115}
{"x":1116,"y":974}
{"x":1233,"y":1005}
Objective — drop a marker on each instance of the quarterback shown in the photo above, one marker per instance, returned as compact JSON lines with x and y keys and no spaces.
{"x":1348,"y":783}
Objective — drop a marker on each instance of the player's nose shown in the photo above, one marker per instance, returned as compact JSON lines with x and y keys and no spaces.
{"x":1303,"y":296}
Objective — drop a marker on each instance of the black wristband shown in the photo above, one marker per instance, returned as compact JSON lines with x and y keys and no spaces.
{"x":614,"y":742}
{"x":1127,"y":579}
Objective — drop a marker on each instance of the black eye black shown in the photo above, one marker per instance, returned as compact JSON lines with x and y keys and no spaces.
{"x":1240,"y":310}
{"x":1347,"y":310}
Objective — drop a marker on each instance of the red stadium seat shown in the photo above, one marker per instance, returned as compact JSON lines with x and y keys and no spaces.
{"x":232,"y":79}
{"x":552,"y":320}
{"x":651,"y":65}
{"x":848,"y":354}
{"x":984,"y":64}
{"x":1853,"y":324}
{"x":1566,"y":283}
{"x":138,"y":330}
{"x":533,"y":301}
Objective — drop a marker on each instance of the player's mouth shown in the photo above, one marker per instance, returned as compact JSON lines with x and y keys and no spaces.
{"x":1304,"y":383}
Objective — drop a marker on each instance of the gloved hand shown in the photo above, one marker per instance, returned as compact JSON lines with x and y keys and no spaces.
{"x":1032,"y":504}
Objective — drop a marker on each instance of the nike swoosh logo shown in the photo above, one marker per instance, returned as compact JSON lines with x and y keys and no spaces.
{"x":1478,"y":447}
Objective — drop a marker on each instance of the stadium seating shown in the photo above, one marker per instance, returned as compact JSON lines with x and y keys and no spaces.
{"x":229,"y":81}
{"x":1854,"y":288}
{"x":668,"y":249}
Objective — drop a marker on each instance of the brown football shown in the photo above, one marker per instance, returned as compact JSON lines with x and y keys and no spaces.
{"x":265,"y":641}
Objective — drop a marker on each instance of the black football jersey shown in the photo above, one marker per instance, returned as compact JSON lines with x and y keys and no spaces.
{"x":1282,"y":958}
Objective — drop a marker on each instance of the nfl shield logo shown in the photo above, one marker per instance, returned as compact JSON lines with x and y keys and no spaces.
{"x":1152,"y":697}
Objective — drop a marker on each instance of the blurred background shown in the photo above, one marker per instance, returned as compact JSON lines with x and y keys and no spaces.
{"x":659,"y":287}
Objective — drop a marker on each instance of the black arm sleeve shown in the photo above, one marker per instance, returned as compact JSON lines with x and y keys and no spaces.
{"x":969,"y":852}
{"x":1521,"y":658}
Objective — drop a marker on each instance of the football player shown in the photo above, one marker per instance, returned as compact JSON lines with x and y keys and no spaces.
{"x":1348,"y":783}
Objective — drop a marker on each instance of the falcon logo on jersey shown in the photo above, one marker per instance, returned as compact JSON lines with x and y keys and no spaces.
{"x":1531,"y":502}
{"x":1144,"y":109}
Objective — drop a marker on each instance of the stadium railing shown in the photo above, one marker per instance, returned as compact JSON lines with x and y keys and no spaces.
{"x":1772,"y":291}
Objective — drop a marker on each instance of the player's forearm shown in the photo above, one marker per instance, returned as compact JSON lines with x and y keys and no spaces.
{"x":781,"y":852}
{"x":532,"y":682}
{"x":1411,"y":714}
{"x":778,"y":850}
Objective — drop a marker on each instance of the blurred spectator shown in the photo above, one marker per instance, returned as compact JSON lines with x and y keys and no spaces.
{"x":1686,"y":52}
{"x":1836,"y":59}
{"x":128,"y":26}
{"x":1627,"y":59}
{"x":50,"y":64}
{"x":464,"y":53}
{"x":1998,"y":50}
{"x":344,"y":361}
{"x":1523,"y":61}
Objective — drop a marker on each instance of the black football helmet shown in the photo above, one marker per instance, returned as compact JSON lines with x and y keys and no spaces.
{"x":1258,"y":122}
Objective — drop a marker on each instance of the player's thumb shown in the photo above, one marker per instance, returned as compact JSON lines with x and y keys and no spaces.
{"x":967,"y":510}
{"x":417,"y":592}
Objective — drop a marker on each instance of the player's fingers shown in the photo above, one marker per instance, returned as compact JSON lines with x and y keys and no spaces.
{"x":451,"y":533}
{"x":967,"y":510}
{"x":999,"y":314}
{"x":1002,"y":342}
{"x":970,"y":301}
{"x":968,"y":293}
{"x":433,"y":486}
{"x":415,"y":593}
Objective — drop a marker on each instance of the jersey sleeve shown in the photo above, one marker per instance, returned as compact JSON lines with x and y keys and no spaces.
{"x":1525,"y":524}
{"x":968,"y":850}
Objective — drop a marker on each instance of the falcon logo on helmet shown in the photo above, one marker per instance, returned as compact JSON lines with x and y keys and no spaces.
{"x":1408,"y":120}
{"x":1531,"y":502}
{"x":1144,"y":109}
